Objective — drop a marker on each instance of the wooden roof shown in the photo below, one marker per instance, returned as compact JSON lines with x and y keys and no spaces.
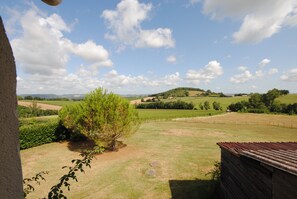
{"x":281,"y":155}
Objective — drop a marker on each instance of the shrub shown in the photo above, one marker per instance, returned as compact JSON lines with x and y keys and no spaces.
{"x":35,"y":134}
{"x":167,"y":105}
{"x":216,"y":106}
{"x":102,"y":117}
{"x":26,"y":112}
{"x":206,"y":105}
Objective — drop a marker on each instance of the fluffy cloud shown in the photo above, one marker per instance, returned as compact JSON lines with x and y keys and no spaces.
{"x":114,"y":80}
{"x":264,"y":62}
{"x":272,"y":71}
{"x":241,"y":78}
{"x":171,"y":59}
{"x":43,"y":49}
{"x":247,"y":75}
{"x":124,"y":24}
{"x":290,"y":76}
{"x":211,"y":71}
{"x":260,"y":19}
{"x":242,"y":68}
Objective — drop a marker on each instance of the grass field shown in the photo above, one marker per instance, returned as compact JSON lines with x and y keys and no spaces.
{"x":164,"y":159}
{"x":224,"y":101}
{"x":166,"y":114}
{"x":288,"y":99}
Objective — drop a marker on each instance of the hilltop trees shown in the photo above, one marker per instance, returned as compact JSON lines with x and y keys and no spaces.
{"x":102,"y":117}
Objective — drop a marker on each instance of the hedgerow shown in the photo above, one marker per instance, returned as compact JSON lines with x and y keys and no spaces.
{"x":37,"y":133}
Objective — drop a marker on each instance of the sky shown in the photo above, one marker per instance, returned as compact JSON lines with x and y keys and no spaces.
{"x":150,"y":46}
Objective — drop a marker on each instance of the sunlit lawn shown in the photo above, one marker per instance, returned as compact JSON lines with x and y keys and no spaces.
{"x":181,"y":153}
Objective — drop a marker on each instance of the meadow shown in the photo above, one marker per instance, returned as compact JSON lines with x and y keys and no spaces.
{"x":164,"y":159}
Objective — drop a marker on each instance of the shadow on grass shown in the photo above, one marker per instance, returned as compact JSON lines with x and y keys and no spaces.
{"x":81,"y":146}
{"x":198,"y":189}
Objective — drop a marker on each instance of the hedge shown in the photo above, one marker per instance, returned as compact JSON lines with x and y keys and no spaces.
{"x":36,"y":134}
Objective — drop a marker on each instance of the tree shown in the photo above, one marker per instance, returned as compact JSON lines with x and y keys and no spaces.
{"x":206,"y":105}
{"x":102,"y":117}
{"x":270,"y":96}
{"x":255,"y":101}
{"x":216,"y":106}
{"x":201,"y":106}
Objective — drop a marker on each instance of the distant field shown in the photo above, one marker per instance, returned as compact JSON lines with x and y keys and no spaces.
{"x":164,"y":159}
{"x":288,"y":99}
{"x":224,"y":101}
{"x":166,"y":114}
{"x":57,"y":103}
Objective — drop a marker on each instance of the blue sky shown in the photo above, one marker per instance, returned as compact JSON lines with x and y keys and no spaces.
{"x":144,"y":47}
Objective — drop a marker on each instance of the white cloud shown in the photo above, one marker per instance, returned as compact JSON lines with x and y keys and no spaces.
{"x":259,"y":73}
{"x":211,"y":71}
{"x":114,"y":80}
{"x":161,"y":37}
{"x":92,"y":53}
{"x":171,"y":59}
{"x":124,"y":24}
{"x":272,"y":71}
{"x":290,"y":76}
{"x":43,"y":49}
{"x":241,"y":78}
{"x":264,"y":62}
{"x":260,"y":19}
{"x":242,"y":68}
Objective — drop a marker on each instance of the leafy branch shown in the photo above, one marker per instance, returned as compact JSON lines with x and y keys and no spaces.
{"x":27,"y":182}
{"x":79,"y":165}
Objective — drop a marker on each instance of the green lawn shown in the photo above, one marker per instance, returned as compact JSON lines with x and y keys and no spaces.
{"x":164,"y":159}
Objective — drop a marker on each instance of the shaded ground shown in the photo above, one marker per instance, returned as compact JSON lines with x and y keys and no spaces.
{"x":41,"y":105}
{"x":163,"y":159}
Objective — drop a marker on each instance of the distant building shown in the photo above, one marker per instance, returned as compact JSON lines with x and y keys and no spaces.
{"x":258,"y":170}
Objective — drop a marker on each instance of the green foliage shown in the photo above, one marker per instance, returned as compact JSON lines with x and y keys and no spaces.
{"x":206,"y":105}
{"x":215,"y":173}
{"x":239,"y":106}
{"x":265,"y":103}
{"x":201,"y":106}
{"x":38,"y":133}
{"x":216,"y":106}
{"x":26,"y":112}
{"x":102,"y":117}
{"x":167,"y":105}
{"x":177,"y":92}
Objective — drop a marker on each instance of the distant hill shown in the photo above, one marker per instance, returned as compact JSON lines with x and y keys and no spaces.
{"x":53,"y":96}
{"x":187,"y":92}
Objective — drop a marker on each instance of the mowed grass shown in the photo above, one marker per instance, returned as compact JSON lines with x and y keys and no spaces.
{"x":179,"y":153}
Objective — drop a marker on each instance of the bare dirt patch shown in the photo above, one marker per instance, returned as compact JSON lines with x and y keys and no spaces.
{"x":40,"y":105}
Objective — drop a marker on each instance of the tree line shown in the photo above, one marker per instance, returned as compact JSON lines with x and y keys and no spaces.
{"x":265,"y":103}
